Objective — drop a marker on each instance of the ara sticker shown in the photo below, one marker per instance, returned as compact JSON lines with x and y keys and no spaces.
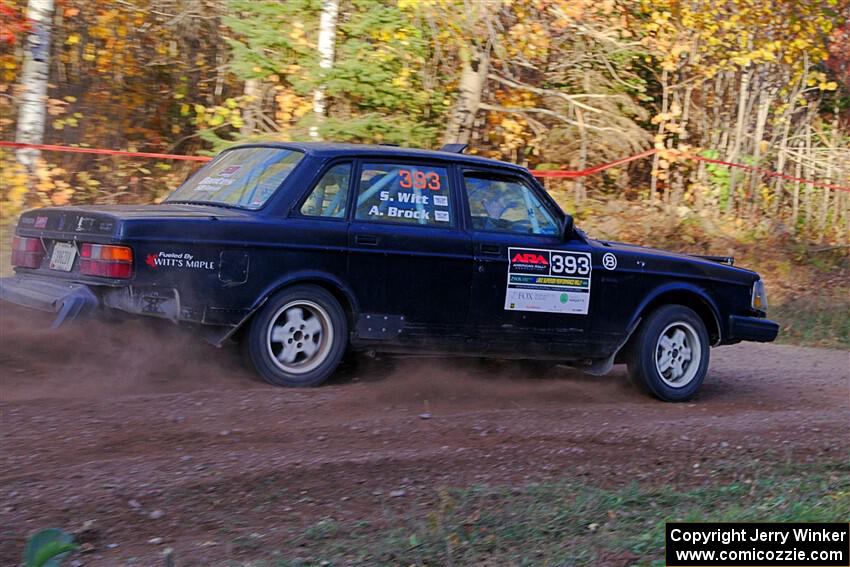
{"x":548,"y":281}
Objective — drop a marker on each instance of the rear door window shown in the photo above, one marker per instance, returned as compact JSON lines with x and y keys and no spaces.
{"x":405,"y":193}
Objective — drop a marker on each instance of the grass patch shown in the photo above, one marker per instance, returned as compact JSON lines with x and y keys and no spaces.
{"x":568,"y":523}
{"x":818,"y":319}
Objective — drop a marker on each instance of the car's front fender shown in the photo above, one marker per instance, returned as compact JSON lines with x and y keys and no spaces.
{"x":688,"y":294}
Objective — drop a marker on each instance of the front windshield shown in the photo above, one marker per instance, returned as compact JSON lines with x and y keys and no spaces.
{"x":244,"y":178}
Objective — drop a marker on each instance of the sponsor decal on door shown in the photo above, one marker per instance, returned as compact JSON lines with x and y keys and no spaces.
{"x":548,"y":281}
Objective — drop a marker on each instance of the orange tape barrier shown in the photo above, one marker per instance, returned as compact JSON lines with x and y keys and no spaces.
{"x":592,"y":170}
{"x":73,"y":150}
{"x":542,"y":173}
{"x":647,"y":153}
{"x":768,"y":172}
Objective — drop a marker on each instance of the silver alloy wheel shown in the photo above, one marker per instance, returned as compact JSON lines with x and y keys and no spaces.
{"x":300,"y":336}
{"x":678,"y":354}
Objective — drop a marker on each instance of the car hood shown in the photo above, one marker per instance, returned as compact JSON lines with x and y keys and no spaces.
{"x":657,"y":260}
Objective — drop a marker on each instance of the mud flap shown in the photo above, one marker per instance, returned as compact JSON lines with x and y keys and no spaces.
{"x":67,"y":300}
{"x":603,"y":366}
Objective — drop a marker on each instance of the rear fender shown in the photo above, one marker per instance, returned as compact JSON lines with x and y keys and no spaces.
{"x":323,"y":279}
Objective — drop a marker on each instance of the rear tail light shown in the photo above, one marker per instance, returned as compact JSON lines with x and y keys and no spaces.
{"x":106,"y":261}
{"x":27,"y":252}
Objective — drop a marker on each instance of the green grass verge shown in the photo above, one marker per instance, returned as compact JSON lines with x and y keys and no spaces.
{"x":566,"y":523}
{"x":819,"y":319}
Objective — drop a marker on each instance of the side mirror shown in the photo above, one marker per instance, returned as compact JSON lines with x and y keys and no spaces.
{"x":567,"y":232}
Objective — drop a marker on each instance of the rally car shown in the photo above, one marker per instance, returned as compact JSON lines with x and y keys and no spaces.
{"x":304,"y":251}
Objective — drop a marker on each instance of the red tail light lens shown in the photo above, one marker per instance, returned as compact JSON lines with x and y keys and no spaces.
{"x":106,"y":261}
{"x":27,"y":252}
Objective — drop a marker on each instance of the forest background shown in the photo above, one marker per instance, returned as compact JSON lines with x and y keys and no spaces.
{"x":550,"y":84}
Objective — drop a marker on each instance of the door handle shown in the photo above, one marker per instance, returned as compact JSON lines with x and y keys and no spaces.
{"x":491,"y":249}
{"x":366,"y":239}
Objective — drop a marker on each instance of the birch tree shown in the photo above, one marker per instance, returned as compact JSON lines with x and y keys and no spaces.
{"x":33,"y":83}
{"x":474,"y":56}
{"x":327,"y":41}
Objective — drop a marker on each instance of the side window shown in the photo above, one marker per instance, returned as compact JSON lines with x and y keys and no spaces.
{"x":410,"y":194}
{"x":507,"y":205}
{"x":329,"y":196}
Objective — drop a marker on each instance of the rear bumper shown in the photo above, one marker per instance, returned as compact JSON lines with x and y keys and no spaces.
{"x":67,"y":300}
{"x":752,"y":329}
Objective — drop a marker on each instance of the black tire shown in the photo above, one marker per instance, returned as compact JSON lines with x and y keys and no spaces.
{"x":662,"y":368}
{"x":318,"y":339}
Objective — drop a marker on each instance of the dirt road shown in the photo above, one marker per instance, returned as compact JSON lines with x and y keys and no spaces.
{"x":163,"y":441}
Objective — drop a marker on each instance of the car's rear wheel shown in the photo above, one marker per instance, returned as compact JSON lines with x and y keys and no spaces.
{"x":298,"y":337}
{"x":670,"y":353}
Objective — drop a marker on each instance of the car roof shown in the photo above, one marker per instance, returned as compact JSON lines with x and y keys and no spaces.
{"x":338,"y":149}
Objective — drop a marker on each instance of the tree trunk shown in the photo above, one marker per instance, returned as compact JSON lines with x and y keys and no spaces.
{"x":580,"y":192}
{"x":761,"y":120}
{"x":34,"y":76}
{"x":779,"y":184}
{"x":253,"y":107}
{"x":476,"y":64}
{"x":327,"y":42}
{"x":743,"y":96}
{"x":833,"y":146}
{"x":582,"y":158}
{"x":795,"y":200}
{"x":665,"y":95}
{"x":808,"y":171}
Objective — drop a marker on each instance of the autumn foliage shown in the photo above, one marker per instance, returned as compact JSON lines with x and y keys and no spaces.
{"x":546,"y":83}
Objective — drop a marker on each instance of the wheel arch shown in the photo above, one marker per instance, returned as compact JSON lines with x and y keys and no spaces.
{"x":328,"y":282}
{"x":690,"y":296}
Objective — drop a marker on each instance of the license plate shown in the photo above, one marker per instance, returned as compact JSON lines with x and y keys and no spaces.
{"x":63,"y":256}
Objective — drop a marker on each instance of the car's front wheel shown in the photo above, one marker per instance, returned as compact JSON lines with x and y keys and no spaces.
{"x":298,"y":337}
{"x":669,"y":354}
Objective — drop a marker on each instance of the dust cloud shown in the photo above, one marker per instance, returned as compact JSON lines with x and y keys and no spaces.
{"x":448,"y":385}
{"x":95,"y":359}
{"x":92,"y":358}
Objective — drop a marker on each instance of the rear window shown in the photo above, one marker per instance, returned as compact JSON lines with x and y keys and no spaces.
{"x":402,"y":193}
{"x":244,"y":178}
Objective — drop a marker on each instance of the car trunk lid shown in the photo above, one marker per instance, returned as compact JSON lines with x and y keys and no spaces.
{"x":63,"y":230}
{"x":105,"y":221}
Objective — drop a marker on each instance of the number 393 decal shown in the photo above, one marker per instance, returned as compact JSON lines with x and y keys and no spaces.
{"x":419,"y":179}
{"x":550,"y":281}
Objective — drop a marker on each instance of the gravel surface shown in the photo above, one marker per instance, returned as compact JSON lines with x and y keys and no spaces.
{"x":152,"y":439}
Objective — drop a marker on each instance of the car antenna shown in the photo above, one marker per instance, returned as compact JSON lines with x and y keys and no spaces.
{"x":454,"y":148}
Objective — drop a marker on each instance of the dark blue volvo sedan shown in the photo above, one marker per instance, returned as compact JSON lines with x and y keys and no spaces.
{"x":305,"y":251}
